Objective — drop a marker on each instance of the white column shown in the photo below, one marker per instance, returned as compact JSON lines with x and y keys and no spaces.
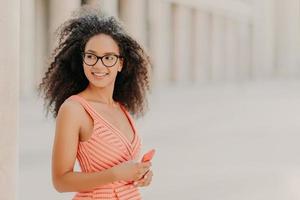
{"x":27,"y":68}
{"x":288,"y":37}
{"x":218,"y":47}
{"x":60,"y":11}
{"x":263,"y":39}
{"x":182,"y":33}
{"x":9,"y":101}
{"x":133,"y":14}
{"x":110,"y":7}
{"x":41,"y":40}
{"x":160,"y":40}
{"x":245,"y":71}
{"x":231,"y":50}
{"x":202,"y":46}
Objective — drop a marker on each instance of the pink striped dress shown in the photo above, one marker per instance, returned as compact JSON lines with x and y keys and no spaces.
{"x":106,"y":148}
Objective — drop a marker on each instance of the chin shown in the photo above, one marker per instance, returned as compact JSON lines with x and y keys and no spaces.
{"x":101,"y":84}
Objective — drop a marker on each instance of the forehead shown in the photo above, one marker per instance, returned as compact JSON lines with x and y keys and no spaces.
{"x":101,"y":44}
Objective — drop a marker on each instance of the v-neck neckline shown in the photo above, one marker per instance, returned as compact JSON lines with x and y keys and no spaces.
{"x":113,"y":126}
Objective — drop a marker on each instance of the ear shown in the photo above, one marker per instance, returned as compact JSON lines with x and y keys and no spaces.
{"x":121,"y":65}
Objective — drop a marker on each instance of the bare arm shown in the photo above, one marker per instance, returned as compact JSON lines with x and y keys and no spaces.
{"x":64,"y":157}
{"x":64,"y":154}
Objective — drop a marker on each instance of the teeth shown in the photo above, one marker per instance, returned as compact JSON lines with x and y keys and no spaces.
{"x":100,"y":74}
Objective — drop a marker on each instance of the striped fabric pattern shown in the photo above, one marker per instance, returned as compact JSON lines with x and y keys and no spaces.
{"x":105,"y":148}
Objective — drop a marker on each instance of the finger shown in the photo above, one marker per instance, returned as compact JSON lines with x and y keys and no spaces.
{"x":146,"y":164}
{"x":140,"y":176}
{"x":151,"y":173}
{"x":144,"y":182}
{"x":148,"y":181}
{"x":143,"y":176}
{"x":142,"y":172}
{"x":137,"y":183}
{"x":146,"y":169}
{"x":141,"y":183}
{"x":147,"y":173}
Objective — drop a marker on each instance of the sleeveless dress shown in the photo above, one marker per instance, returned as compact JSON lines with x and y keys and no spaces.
{"x":105,"y":148}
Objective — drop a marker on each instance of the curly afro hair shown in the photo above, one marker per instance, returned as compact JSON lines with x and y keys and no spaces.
{"x":65,"y":75}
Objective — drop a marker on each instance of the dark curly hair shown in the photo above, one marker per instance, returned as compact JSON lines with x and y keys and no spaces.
{"x":65,"y":75}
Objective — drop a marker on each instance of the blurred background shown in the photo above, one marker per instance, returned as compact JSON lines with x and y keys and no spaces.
{"x":224,"y":108}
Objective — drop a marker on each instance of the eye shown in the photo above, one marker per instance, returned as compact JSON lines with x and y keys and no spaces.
{"x":90,"y":56}
{"x":110,"y":57}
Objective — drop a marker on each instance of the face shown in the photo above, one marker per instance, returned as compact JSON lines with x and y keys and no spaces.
{"x":101,"y":73}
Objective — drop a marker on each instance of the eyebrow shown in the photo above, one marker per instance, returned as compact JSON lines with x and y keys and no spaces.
{"x":106,"y":53}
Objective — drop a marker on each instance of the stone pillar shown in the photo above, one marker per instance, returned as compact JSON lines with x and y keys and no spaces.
{"x":110,"y":7}
{"x":41,"y":40}
{"x":27,"y":67}
{"x":182,"y":33}
{"x":245,"y":71}
{"x":231,"y":49}
{"x":218,"y":48}
{"x":201,"y":46}
{"x":134,"y":14}
{"x":263,"y":39}
{"x":60,"y":11}
{"x":160,"y":40}
{"x":9,"y":102}
{"x":288,"y":38}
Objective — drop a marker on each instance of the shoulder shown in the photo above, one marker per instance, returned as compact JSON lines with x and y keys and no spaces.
{"x":70,"y":105}
{"x":70,"y":109}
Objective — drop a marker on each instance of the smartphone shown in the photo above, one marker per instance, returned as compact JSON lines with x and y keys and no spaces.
{"x":148,"y":156}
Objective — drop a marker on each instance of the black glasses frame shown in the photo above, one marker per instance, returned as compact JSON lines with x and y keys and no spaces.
{"x":100,"y":57}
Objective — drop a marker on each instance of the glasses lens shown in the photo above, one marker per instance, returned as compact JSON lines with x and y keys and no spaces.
{"x":109,"y":60}
{"x":90,"y":59}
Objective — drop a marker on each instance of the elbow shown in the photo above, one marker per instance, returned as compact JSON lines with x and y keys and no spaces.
{"x":59,"y":189}
{"x":58,"y":185}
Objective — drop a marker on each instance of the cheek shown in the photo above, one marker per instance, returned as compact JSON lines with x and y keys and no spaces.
{"x":87,"y":73}
{"x":112,"y":75}
{"x":114,"y":71}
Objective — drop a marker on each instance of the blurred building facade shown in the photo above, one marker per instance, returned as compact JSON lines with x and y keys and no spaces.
{"x":189,"y":41}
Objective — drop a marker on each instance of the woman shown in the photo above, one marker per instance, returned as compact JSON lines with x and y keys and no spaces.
{"x":99,"y":74}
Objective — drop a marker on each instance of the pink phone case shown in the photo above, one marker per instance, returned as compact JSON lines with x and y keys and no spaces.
{"x":148,"y":156}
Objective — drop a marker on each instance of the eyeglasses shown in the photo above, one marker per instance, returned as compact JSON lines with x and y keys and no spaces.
{"x":108,"y":60}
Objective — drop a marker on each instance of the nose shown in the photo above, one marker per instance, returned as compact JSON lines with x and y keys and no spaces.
{"x":99,"y":64}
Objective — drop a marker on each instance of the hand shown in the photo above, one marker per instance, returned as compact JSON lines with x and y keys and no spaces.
{"x":146,"y":180}
{"x":130,"y":171}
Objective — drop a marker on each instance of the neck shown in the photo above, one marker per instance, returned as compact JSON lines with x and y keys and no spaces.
{"x":103,"y":95}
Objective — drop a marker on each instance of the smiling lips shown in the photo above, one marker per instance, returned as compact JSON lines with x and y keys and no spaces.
{"x":99,"y":74}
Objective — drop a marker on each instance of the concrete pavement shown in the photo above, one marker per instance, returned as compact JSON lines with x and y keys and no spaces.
{"x":229,"y":142}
